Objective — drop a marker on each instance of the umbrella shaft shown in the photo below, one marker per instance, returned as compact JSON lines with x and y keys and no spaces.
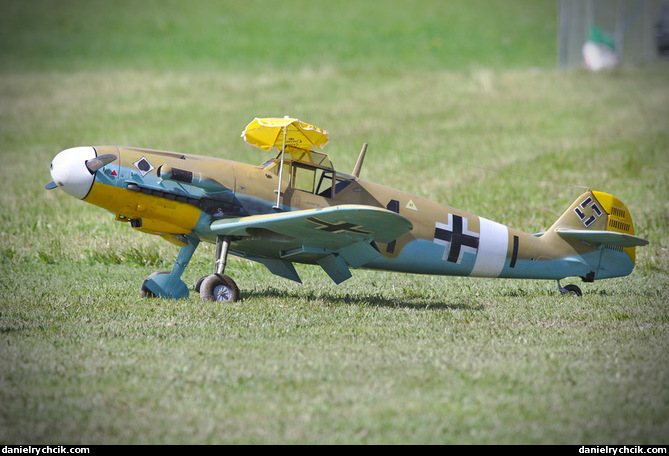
{"x":278,"y":192}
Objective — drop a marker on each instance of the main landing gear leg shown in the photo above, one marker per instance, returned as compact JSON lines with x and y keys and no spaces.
{"x":169,"y":284}
{"x":218,"y":286}
{"x":570,"y":289}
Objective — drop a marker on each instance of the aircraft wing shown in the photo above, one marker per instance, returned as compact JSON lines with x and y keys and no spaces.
{"x":333,"y":237}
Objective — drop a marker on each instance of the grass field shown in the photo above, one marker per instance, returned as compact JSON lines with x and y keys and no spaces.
{"x":459,"y":101}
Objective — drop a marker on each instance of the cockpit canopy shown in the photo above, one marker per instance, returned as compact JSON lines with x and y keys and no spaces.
{"x":307,"y":157}
{"x":308,"y":171}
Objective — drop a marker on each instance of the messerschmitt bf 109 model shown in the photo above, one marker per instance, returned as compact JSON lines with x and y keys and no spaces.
{"x":296,"y":208}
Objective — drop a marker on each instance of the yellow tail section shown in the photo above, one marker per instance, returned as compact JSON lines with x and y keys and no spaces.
{"x":594,"y":211}
{"x":600,"y":221}
{"x":619,"y":218}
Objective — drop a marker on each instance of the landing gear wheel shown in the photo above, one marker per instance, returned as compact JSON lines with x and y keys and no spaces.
{"x":145,"y":292}
{"x":199,"y":283}
{"x":220,"y":288}
{"x":573,"y":290}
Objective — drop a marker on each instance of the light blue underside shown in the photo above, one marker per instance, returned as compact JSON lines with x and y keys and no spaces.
{"x":419,"y":256}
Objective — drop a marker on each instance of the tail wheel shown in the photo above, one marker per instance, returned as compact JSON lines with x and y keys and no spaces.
{"x":570,"y":289}
{"x":220,"y":288}
{"x":573,"y":290}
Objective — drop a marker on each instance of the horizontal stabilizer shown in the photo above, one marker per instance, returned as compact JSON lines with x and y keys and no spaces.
{"x":603,"y":237}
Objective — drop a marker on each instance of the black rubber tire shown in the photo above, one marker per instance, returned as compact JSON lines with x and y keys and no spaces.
{"x":199,"y":284}
{"x":573,"y":290}
{"x":219,"y":288}
{"x":145,"y":292}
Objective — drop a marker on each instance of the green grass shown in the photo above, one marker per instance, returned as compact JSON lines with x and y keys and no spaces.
{"x":381,"y":358}
{"x":255,"y":35}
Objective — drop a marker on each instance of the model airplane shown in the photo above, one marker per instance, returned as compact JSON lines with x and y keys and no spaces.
{"x":296,"y":208}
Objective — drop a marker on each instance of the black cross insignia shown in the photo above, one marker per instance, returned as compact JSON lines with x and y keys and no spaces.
{"x":456,"y":237}
{"x":339,"y":227}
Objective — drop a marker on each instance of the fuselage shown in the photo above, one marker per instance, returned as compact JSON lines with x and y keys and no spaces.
{"x":176,"y":195}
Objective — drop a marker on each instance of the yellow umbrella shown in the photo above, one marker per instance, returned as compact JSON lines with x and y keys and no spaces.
{"x":284,"y":134}
{"x":280,"y":132}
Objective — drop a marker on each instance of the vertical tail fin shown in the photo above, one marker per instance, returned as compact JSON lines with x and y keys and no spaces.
{"x":601,"y":221}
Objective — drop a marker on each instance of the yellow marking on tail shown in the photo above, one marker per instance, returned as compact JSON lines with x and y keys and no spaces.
{"x":619,"y":220}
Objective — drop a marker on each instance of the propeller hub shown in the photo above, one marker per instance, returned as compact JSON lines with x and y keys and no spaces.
{"x":71,"y":173}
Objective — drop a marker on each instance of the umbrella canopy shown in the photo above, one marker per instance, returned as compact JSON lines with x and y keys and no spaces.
{"x":278,"y":132}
